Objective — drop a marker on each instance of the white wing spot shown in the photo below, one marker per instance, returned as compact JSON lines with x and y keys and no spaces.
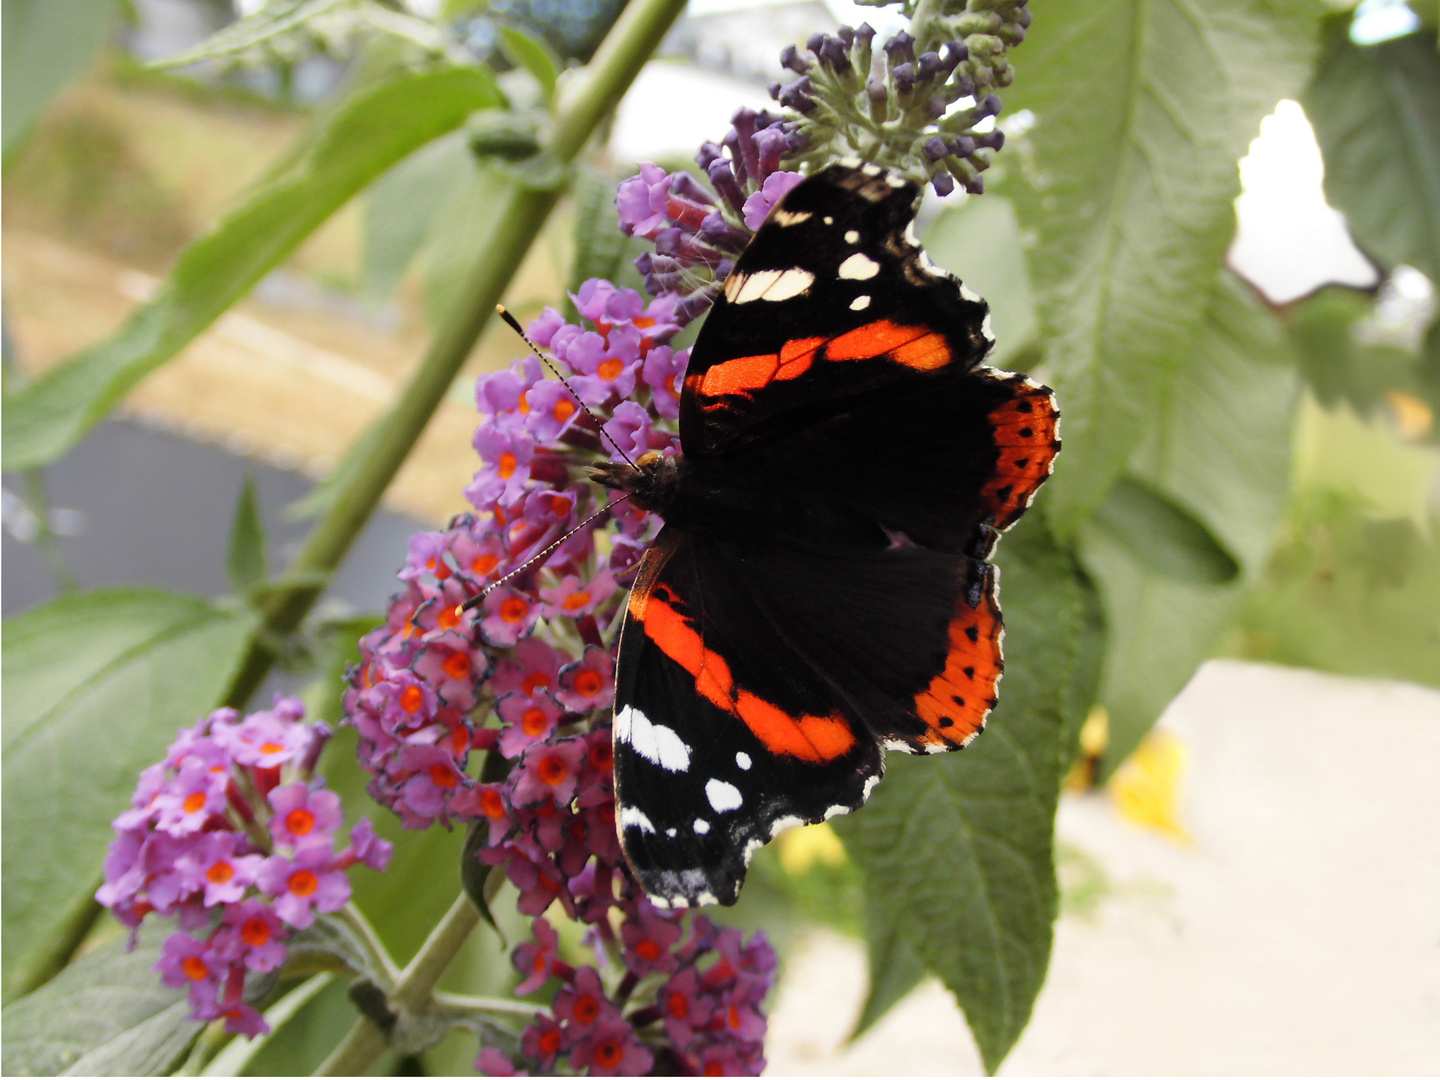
{"x":852,"y":237}
{"x":656,"y":743}
{"x":870,"y":170}
{"x":742,"y":759}
{"x":779,"y":825}
{"x":859,"y":267}
{"x":828,"y":220}
{"x":860,"y":303}
{"x":670,"y":833}
{"x":632,"y":817}
{"x":894,"y":181}
{"x":723,"y":796}
{"x":772,"y":285}
{"x":702,"y":826}
{"x":784,"y":217}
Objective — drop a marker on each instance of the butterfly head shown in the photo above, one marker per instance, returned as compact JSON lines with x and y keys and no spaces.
{"x":651,"y":482}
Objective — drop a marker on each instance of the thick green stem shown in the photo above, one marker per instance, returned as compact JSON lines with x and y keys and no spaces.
{"x":518,"y":220}
{"x":365,"y":1042}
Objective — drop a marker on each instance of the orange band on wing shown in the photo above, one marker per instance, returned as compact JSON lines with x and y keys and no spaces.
{"x":1026,"y":437}
{"x":913,"y":346}
{"x":754,"y":372}
{"x":809,"y":738}
{"x":956,"y":702}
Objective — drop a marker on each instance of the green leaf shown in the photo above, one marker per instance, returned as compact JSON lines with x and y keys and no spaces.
{"x":400,"y":206}
{"x":273,"y":19}
{"x":1142,"y":109}
{"x":456,"y":232}
{"x":97,"y":684}
{"x":1376,"y":112}
{"x":367,"y":135}
{"x":956,"y":850}
{"x":522,"y":50}
{"x":107,"y":1014}
{"x":979,"y":241}
{"x":1220,"y":443}
{"x":47,"y":43}
{"x":600,"y":246}
{"x":246,"y":559}
{"x":1163,"y":536}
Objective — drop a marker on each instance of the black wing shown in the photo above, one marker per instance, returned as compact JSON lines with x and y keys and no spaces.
{"x":758,"y":684}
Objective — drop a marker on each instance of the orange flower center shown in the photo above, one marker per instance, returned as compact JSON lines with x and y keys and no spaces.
{"x":589,"y":682}
{"x":491,"y":805}
{"x":255,"y":932}
{"x":271,"y":747}
{"x":533,"y":722}
{"x":299,"y":822}
{"x":586,"y":1008}
{"x":304,"y":883}
{"x":550,"y":1042}
{"x":220,"y":873}
{"x":194,"y":968}
{"x":514,"y":609}
{"x":712,"y":1068}
{"x":564,"y":409}
{"x":607,"y":1054}
{"x":448,"y":617}
{"x":602,"y":757}
{"x":679,"y":1005}
{"x":644,"y":322}
{"x":194,"y":802}
{"x":575,"y":601}
{"x":442,"y":777}
{"x":553,"y":771}
{"x":483,"y":564}
{"x":648,"y":950}
{"x":524,"y":405}
{"x":412,"y":699}
{"x":507,"y":465}
{"x":456,"y":665}
{"x":534,"y":681}
{"x":609,"y":370}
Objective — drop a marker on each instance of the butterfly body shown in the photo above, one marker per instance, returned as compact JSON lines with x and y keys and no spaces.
{"x":820,"y":591}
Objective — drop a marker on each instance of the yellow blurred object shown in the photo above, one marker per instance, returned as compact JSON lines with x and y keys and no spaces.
{"x":1413,"y":418}
{"x":1094,"y":737}
{"x":1146,"y":789}
{"x":802,"y":848}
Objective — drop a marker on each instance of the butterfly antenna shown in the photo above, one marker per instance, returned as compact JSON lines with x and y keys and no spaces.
{"x":599,"y":426}
{"x":479,"y":598}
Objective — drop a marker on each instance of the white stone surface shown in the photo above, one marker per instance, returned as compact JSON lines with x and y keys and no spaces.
{"x":1299,"y":933}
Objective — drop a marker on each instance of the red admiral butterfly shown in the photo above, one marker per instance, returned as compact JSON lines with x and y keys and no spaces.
{"x":820,"y":591}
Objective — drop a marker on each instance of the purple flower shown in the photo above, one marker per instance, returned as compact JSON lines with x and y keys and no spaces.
{"x":434,"y":775}
{"x":302,"y":814}
{"x":213,"y":865}
{"x":589,"y":683}
{"x":252,"y":933}
{"x":569,"y":599}
{"x":189,"y":963}
{"x":612,"y":1049}
{"x":583,"y":1003}
{"x":548,"y":773}
{"x":536,"y":960}
{"x":649,"y":937}
{"x":528,"y":721}
{"x":491,"y":1062}
{"x":683,"y":1007}
{"x":365,"y":847}
{"x":758,"y":206}
{"x":485,"y":801}
{"x":305,"y":884}
{"x":190,"y":800}
{"x":542,"y":1042}
{"x":508,"y":616}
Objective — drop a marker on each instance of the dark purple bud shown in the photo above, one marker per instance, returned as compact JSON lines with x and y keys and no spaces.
{"x":1014,"y":34}
{"x":944,"y":183}
{"x":731,"y":142}
{"x":742,"y":151}
{"x":876,"y":89}
{"x":790,"y":58}
{"x":989,"y":105}
{"x":964,"y":86}
{"x":935,"y":108}
{"x":320,"y":734}
{"x":709,"y":152}
{"x":962,"y":146}
{"x":835,"y":56}
{"x":928,"y":65}
{"x":722,"y":179}
{"x":815,"y":42}
{"x":668,"y":241}
{"x":685,"y":185}
{"x":795,"y":95}
{"x":865,"y":33}
{"x":935,"y":149}
{"x":772,"y":144}
{"x":720,"y":233}
{"x":696,"y":304}
{"x":993,"y":140}
{"x":775,"y":88}
{"x":975,"y":186}
{"x":847,"y":35}
{"x":904,"y":76}
{"x":1022,"y":17}
{"x":900,"y":48}
{"x":955,"y":51}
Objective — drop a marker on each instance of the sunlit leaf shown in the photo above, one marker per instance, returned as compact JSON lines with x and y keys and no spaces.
{"x":522,"y":50}
{"x":1131,"y":180}
{"x":272,"y":19}
{"x":1163,"y":536}
{"x":245,"y":561}
{"x":46,"y":44}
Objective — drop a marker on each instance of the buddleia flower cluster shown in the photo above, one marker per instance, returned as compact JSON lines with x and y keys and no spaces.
{"x":527,"y":676}
{"x":912,"y":105}
{"x":233,"y":835}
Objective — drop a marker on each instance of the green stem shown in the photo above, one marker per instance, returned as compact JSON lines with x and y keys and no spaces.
{"x":518,"y":220}
{"x":470,"y":1003}
{"x":414,"y":992}
{"x":354,"y":918}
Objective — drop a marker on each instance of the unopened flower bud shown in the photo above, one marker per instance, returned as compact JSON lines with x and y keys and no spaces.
{"x":992,"y":140}
{"x":936,"y":149}
{"x":928,"y":65}
{"x":944,"y":184}
{"x":900,"y":49}
{"x":935,"y":108}
{"x":790,"y":58}
{"x":876,"y":89}
{"x":835,"y":56}
{"x":962,"y":146}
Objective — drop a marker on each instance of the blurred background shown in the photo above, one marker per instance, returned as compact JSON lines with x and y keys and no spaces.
{"x":1254,"y":888}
